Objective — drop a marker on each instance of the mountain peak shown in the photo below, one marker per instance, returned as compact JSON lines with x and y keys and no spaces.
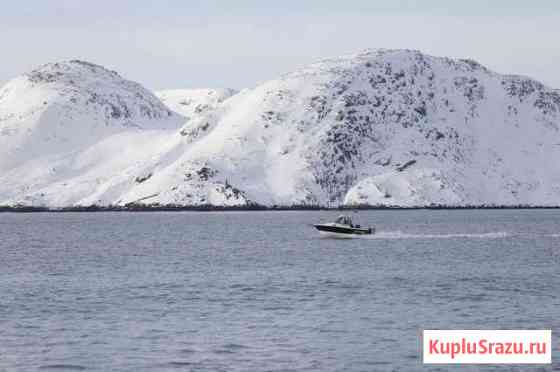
{"x":67,"y":105}
{"x":69,"y":72}
{"x":80,"y":85}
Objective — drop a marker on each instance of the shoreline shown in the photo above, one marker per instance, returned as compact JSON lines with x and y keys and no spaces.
{"x":248,"y":208}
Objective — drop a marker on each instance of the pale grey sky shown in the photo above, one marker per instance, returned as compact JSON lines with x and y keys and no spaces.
{"x":175,"y":44}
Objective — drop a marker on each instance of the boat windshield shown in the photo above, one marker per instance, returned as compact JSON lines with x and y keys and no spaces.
{"x":344,"y":220}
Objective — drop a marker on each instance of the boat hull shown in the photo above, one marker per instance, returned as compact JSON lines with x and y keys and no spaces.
{"x":341,"y":231}
{"x":331,"y":235}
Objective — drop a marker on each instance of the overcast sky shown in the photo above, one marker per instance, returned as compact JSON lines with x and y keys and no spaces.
{"x":190,"y":44}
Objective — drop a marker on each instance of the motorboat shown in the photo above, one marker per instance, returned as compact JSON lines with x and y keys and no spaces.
{"x":343,"y":227}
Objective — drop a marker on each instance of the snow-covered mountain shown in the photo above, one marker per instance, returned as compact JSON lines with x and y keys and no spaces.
{"x":390,"y":127}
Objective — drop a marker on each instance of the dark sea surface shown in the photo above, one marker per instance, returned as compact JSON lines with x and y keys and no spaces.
{"x":260,"y":291}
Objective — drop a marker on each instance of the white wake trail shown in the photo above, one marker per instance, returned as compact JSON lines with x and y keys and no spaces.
{"x":402,"y":235}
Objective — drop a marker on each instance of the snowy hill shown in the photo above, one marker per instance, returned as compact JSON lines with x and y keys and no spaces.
{"x":193,"y":102}
{"x":382,"y":127}
{"x":68,"y":129}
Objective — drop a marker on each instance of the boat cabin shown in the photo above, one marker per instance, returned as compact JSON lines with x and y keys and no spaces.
{"x":344,"y":220}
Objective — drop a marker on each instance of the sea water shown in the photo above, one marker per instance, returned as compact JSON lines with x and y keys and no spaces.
{"x":261,"y":291}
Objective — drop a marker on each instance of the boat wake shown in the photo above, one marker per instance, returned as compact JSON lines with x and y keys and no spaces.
{"x":401,"y":235}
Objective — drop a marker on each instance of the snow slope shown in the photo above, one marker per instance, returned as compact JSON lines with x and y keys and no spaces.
{"x":387,"y":127}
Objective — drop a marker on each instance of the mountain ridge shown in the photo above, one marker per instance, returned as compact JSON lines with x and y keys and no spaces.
{"x":380,"y":127}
